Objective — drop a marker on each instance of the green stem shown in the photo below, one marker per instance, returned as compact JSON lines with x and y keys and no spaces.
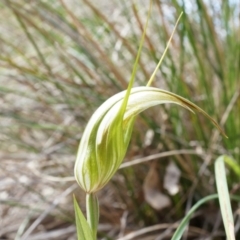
{"x":92,"y":212}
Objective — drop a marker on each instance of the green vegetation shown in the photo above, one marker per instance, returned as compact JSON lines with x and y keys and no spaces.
{"x":60,"y":60}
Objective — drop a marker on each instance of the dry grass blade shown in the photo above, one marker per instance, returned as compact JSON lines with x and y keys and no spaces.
{"x":47,"y":211}
{"x":158,"y":155}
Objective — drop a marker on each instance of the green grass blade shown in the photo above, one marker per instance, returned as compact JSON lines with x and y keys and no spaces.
{"x":224,"y":198}
{"x":83,"y":230}
{"x":233,"y":165}
{"x":31,"y":39}
{"x":181,"y":228}
{"x":164,"y":53}
{"x":125,"y":101}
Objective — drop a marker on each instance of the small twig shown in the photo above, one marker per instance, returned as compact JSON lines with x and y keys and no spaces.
{"x":159,"y":155}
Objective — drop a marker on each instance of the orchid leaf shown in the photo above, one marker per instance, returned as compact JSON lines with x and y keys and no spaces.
{"x":83,"y":230}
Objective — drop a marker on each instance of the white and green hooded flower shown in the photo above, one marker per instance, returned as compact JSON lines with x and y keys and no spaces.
{"x":106,"y":138}
{"x":107,"y":134}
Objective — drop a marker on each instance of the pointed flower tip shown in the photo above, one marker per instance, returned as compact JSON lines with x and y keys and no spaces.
{"x":107,"y":134}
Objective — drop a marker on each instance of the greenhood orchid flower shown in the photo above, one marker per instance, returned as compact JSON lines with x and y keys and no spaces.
{"x":106,"y":138}
{"x":107,"y":135}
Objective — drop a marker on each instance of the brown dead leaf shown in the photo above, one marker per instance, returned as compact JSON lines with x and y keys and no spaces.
{"x":151,"y":188}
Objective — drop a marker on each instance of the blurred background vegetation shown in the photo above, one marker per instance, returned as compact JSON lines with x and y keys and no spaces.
{"x":61,"y":59}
